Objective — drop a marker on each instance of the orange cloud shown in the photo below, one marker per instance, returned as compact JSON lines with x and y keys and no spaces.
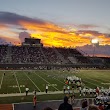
{"x":49,"y":33}
{"x":8,"y":35}
{"x":53,"y":35}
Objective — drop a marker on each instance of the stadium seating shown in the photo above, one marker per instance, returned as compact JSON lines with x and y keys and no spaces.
{"x":41,"y":55}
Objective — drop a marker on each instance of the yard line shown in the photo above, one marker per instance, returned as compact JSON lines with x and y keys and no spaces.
{"x":90,"y":83}
{"x":93,"y":80}
{"x":59,"y":80}
{"x":46,"y":81}
{"x":1,"y":81}
{"x":17,"y":83}
{"x":32,"y":82}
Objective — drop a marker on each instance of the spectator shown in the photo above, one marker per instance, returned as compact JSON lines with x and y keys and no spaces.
{"x":65,"y":105}
{"x":101,"y":107}
{"x":84,"y":104}
{"x":108,"y":106}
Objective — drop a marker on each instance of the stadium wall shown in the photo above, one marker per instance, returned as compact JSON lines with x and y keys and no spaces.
{"x":47,"y":66}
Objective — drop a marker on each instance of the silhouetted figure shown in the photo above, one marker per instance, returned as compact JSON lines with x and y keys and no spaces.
{"x":108,"y":106}
{"x":101,"y":107}
{"x":65,"y":105}
{"x":84,"y":104}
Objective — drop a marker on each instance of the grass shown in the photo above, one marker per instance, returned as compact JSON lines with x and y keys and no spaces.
{"x":16,"y":81}
{"x":18,"y":99}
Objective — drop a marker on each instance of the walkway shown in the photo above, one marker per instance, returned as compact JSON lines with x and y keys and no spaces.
{"x":30,"y":93}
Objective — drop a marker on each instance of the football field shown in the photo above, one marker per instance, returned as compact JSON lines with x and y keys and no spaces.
{"x":15,"y":81}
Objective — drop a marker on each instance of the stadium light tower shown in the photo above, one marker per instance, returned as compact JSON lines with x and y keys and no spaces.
{"x":94,"y":43}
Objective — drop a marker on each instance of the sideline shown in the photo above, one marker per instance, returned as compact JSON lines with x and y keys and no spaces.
{"x":30,"y":93}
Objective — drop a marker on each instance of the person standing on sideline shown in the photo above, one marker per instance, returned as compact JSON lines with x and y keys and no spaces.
{"x":4,"y":73}
{"x":65,"y":105}
{"x":34,"y":92}
{"x":46,"y":88}
{"x":64,"y":89}
{"x":27,"y":90}
{"x":68,"y":88}
{"x":34,"y":101}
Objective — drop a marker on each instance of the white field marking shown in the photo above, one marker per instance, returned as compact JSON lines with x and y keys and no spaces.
{"x":90,"y":83}
{"x":17,"y":83}
{"x":46,"y":81}
{"x":106,"y":83}
{"x":106,"y":79}
{"x":92,"y":79}
{"x":1,"y":81}
{"x":59,"y":80}
{"x":85,"y":85}
{"x":32,"y":82}
{"x":64,"y":83}
{"x":13,"y":106}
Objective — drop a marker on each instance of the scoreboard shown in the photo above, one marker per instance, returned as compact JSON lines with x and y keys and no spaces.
{"x":32,"y":41}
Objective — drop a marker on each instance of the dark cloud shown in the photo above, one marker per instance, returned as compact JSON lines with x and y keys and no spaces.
{"x":23,"y":35}
{"x":99,"y":51}
{"x":22,"y":29}
{"x":2,"y":41}
{"x":87,"y":26}
{"x":90,"y":32}
{"x":13,"y":18}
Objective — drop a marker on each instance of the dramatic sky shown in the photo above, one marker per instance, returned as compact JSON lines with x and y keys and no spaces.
{"x":59,"y":23}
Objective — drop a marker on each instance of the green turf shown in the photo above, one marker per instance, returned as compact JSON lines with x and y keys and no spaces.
{"x":29,"y":98}
{"x":15,"y":81}
{"x":18,"y":99}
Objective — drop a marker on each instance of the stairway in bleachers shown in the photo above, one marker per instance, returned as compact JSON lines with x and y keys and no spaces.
{"x":6,"y":107}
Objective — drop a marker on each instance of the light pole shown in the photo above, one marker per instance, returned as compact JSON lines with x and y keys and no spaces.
{"x":94,"y":43}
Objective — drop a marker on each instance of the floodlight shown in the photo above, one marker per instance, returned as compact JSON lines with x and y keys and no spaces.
{"x":95,"y":41}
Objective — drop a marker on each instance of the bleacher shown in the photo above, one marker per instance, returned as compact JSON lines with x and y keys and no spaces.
{"x":40,"y":55}
{"x":44,"y":56}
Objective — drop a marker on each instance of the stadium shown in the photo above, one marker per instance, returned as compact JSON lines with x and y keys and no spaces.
{"x":31,"y":67}
{"x":54,"y":55}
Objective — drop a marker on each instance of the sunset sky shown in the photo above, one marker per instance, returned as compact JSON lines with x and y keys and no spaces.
{"x":59,"y":23}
